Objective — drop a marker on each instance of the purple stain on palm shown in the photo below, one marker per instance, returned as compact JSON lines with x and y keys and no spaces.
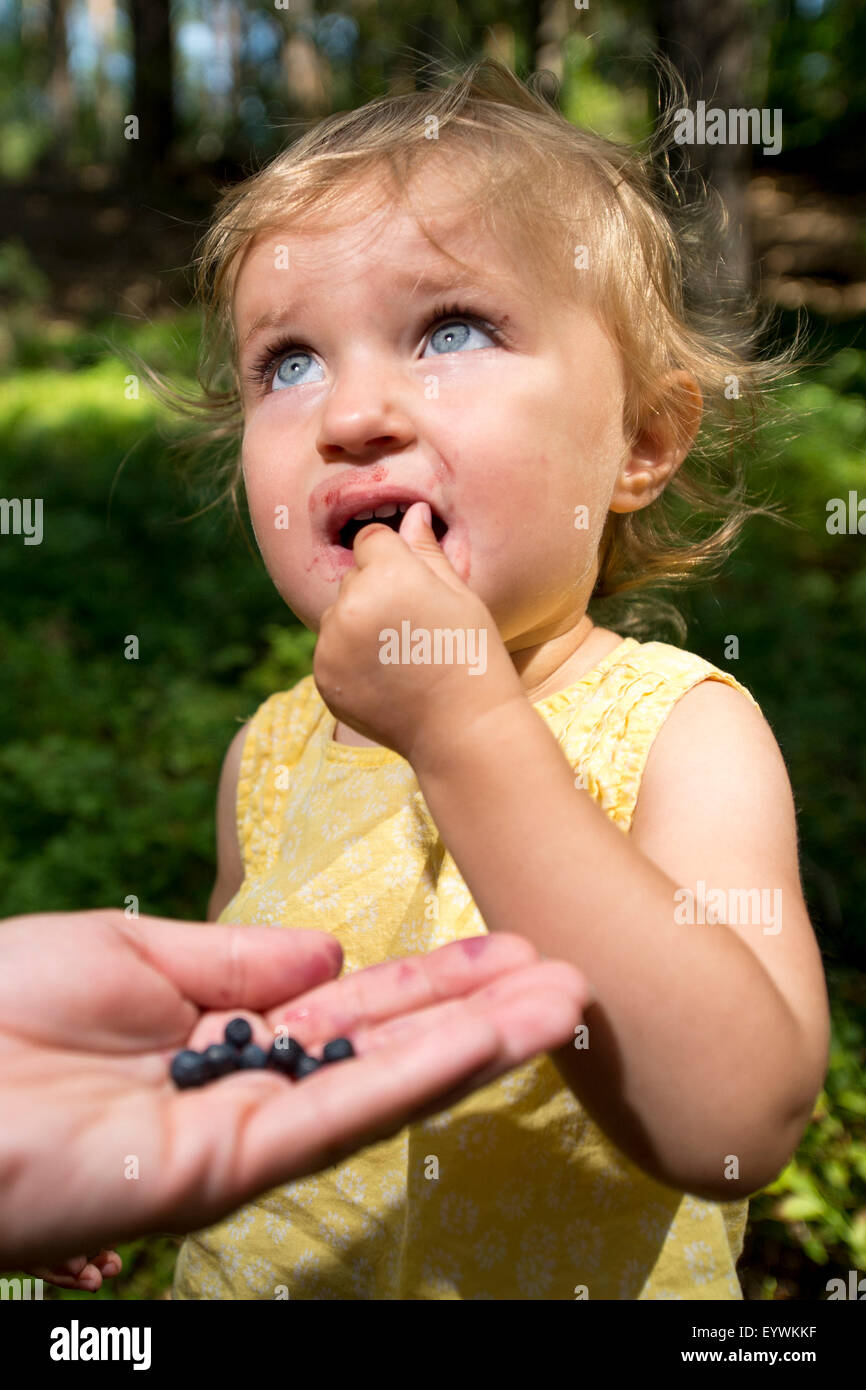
{"x":474,"y":945}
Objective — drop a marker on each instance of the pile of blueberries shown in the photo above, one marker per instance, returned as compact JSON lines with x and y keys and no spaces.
{"x":239,"y":1053}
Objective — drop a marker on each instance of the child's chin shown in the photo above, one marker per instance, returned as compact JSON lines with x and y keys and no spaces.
{"x":455,"y":548}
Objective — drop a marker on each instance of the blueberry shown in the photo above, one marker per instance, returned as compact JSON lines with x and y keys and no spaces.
{"x":222,"y":1058}
{"x":285,"y":1054}
{"x":305,"y":1065}
{"x":337,"y":1049}
{"x":252,"y":1056}
{"x":238,"y":1032}
{"x":189,"y":1068}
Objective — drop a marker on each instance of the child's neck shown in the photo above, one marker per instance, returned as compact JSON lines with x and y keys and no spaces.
{"x":344,"y":734}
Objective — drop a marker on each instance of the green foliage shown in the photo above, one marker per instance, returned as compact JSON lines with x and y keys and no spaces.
{"x":108,"y":766}
{"x":608,"y":106}
{"x":20,"y":277}
{"x":807,"y":61}
{"x":793,"y":596}
{"x":818,"y":1202}
{"x":814,"y":67}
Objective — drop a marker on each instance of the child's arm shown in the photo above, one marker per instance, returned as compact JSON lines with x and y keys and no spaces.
{"x":706,"y":1040}
{"x":230,"y":867}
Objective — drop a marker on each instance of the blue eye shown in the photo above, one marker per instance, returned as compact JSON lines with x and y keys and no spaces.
{"x":455,"y":334}
{"x":284,"y":364}
{"x":288,"y":371}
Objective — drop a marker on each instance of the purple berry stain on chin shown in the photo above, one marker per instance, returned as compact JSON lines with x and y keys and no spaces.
{"x":474,"y":945}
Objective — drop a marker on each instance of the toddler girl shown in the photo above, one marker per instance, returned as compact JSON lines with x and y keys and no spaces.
{"x":465,"y":366}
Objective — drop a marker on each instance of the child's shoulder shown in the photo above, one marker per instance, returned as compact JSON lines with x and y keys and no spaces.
{"x":709,"y":707}
{"x":280,"y":724}
{"x":644,"y":719}
{"x":714,"y":775}
{"x":680,"y":669}
{"x":716,"y":813}
{"x":710,"y":738}
{"x":296,"y":705}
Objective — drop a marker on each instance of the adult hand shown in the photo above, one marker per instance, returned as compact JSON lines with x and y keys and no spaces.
{"x":96,"y":1143}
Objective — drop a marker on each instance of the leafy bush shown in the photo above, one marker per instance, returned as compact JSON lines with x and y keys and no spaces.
{"x":810,"y":1224}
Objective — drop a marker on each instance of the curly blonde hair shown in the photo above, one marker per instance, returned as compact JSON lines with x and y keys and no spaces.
{"x":655,"y":275}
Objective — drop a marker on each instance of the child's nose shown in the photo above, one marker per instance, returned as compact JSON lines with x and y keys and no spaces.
{"x":366,"y":411}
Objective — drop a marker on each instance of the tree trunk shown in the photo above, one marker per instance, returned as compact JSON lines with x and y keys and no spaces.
{"x":551,"y":20}
{"x":102,"y":17}
{"x":60,"y":83}
{"x":711,"y":46}
{"x":153,"y":101}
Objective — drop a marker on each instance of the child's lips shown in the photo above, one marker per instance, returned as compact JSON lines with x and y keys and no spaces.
{"x":334,"y":504}
{"x":454,"y":545}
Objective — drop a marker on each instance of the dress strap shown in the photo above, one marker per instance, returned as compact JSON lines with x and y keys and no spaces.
{"x":275,"y":739}
{"x":609,"y":731}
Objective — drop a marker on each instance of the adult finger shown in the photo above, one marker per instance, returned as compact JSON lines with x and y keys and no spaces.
{"x":557,"y":976}
{"x":535,"y":1022}
{"x":398,"y":986}
{"x":225,"y":966}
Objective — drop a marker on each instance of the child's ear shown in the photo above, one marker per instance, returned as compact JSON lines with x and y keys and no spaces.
{"x":665,"y":436}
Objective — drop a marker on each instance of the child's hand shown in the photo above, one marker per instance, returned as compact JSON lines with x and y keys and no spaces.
{"x":85,"y":1272}
{"x":408,"y":706}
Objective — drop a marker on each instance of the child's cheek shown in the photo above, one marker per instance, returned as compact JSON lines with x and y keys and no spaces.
{"x":253,"y":490}
{"x":263,"y":488}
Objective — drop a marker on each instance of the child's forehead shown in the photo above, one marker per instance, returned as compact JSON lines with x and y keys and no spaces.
{"x":390,"y":254}
{"x":370,"y":218}
{"x":430,"y":236}
{"x":390,"y":240}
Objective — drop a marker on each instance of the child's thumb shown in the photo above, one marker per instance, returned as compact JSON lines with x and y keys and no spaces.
{"x":416,"y":529}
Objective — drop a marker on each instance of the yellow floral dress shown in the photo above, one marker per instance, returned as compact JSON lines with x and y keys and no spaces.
{"x":514,"y":1193}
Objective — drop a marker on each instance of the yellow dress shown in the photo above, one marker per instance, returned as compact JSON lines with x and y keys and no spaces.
{"x":527,"y":1198}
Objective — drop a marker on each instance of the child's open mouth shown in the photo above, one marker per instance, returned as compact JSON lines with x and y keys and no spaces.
{"x":389,"y":514}
{"x":339,"y":509}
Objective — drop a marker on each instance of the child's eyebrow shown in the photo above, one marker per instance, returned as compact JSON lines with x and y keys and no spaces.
{"x":424,"y":283}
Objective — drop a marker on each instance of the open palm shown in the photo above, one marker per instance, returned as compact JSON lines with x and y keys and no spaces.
{"x":97,"y":1145}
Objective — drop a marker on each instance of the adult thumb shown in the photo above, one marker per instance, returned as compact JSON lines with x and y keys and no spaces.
{"x":222,"y":966}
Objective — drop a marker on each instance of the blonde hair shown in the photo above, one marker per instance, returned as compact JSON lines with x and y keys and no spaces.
{"x":653,"y":274}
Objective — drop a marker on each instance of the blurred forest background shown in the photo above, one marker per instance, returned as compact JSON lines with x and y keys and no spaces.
{"x":108,"y":767}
